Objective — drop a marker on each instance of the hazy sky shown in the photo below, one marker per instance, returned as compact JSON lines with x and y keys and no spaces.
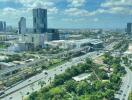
{"x":70,"y":13}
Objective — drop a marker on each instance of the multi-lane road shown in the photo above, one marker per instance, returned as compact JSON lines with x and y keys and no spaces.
{"x":30,"y":85}
{"x":128,"y":89}
{"x":21,"y":90}
{"x":126,"y":86}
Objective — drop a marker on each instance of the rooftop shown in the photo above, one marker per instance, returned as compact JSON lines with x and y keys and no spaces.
{"x":7,"y":64}
{"x":81,"y":77}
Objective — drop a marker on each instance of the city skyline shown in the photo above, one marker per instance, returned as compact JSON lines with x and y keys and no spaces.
{"x":61,"y":13}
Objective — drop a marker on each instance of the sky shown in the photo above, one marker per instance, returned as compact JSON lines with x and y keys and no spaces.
{"x":70,"y":13}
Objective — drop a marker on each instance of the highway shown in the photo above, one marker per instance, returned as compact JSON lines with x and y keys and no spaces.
{"x":18,"y":67}
{"x":30,"y":85}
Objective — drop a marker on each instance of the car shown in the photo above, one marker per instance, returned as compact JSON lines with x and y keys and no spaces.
{"x":119,"y":93}
{"x":121,"y":90}
{"x":10,"y":98}
{"x":28,"y":93}
{"x":1,"y":93}
{"x":45,"y":72}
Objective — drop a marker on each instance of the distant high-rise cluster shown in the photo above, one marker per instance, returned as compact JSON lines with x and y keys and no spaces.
{"x":39,"y":28}
{"x":2,"y":26}
{"x":129,"y":28}
{"x":40,"y":20}
{"x":22,"y":26}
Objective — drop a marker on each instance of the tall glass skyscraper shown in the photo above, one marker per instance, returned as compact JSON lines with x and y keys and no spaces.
{"x":40,"y":20}
{"x":129,"y":28}
{"x":22,"y":26}
{"x":2,"y":26}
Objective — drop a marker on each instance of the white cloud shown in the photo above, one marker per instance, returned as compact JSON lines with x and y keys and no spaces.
{"x":74,"y":9}
{"x":50,"y":6}
{"x":26,"y":10}
{"x":78,"y":12}
{"x":8,"y":9}
{"x":75,"y":20}
{"x":53,"y":10}
{"x":95,"y":19}
{"x":37,"y":3}
{"x":7,"y":0}
{"x":76,"y":3}
{"x":113,"y":10}
{"x":11,"y":12}
{"x":120,"y":10}
{"x":117,"y":6}
{"x":30,"y":4}
{"x":115,"y":3}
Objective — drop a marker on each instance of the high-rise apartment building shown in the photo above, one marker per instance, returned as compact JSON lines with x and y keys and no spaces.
{"x":129,"y":28}
{"x":40,"y":20}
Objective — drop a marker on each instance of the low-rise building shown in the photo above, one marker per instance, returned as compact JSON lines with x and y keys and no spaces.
{"x":81,"y":77}
{"x":4,"y":65}
{"x":74,"y":44}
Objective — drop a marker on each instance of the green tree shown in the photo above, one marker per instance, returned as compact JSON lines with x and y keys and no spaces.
{"x":115,"y":78}
{"x":33,"y":96}
{"x":70,"y":86}
{"x":83,"y":87}
{"x":130,"y":96}
{"x":57,"y":93}
{"x":109,"y":94}
{"x":103,"y":75}
{"x":98,"y":86}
